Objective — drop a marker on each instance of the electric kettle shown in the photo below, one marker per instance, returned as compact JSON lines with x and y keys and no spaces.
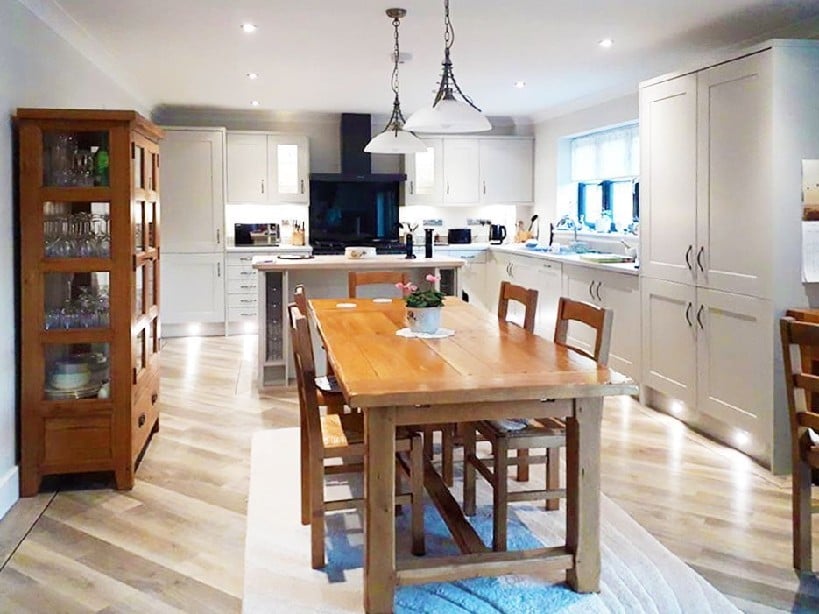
{"x":497,"y":233}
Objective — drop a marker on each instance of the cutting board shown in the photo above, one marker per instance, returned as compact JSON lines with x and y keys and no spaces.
{"x":605,"y":258}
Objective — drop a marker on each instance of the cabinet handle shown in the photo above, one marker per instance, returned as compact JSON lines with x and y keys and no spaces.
{"x":688,"y":257}
{"x":218,"y":269}
{"x":218,"y":236}
{"x":154,"y":397}
{"x":597,"y":291}
{"x":412,"y":187}
{"x":301,"y":185}
{"x":699,"y":318}
{"x":262,"y":186}
{"x":447,"y":187}
{"x":141,"y":421}
{"x":699,"y":258}
{"x":591,"y":285}
{"x":484,"y":187}
{"x":247,"y":287}
{"x":688,"y":309}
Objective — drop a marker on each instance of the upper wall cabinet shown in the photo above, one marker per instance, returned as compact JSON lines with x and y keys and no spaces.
{"x":471,"y":171}
{"x":267,"y":168}
{"x":193,"y":195}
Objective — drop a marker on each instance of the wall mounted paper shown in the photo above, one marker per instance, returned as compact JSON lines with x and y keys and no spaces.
{"x":810,"y":188}
{"x":810,"y":252}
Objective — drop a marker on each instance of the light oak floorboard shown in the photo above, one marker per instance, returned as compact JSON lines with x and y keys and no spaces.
{"x":176,"y":541}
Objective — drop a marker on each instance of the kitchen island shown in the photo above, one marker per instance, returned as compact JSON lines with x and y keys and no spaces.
{"x":324,"y":277}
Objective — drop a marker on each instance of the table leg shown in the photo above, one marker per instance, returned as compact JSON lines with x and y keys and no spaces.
{"x":583,"y":496}
{"x":379,"y":534}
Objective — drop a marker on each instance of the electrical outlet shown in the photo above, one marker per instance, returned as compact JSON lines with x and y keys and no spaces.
{"x":471,"y":221}
{"x":433,"y":223}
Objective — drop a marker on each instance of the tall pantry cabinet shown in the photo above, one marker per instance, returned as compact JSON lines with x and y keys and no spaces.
{"x":720,"y":190}
{"x":89,"y":277}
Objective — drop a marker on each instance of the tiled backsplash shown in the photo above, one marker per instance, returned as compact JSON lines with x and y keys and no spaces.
{"x":264,"y":214}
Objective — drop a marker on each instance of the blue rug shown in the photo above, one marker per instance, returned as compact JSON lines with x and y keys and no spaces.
{"x":505,"y":594}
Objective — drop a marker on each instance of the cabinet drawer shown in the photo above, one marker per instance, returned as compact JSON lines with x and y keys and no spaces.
{"x":473,"y":257}
{"x":242,"y":259}
{"x":77,"y":440}
{"x":242,"y":286}
{"x":144,"y":416}
{"x":242,"y":314}
{"x":241,"y":273}
{"x":243,"y":300}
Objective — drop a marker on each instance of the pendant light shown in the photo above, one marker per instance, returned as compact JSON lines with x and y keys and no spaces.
{"x":394,"y":139}
{"x":448,"y":114}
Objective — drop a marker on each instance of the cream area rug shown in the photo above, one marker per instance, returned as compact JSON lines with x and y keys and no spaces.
{"x":638,"y":573}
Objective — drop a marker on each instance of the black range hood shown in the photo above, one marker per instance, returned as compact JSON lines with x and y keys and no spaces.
{"x":356,"y":164}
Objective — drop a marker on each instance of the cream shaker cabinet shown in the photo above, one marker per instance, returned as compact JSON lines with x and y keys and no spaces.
{"x":193,"y":195}
{"x":471,"y":171}
{"x":267,"y":168}
{"x":668,"y":146}
{"x":193,"y":291}
{"x":506,"y":170}
{"x":619,"y":292}
{"x":711,"y":350}
{"x":425,"y":175}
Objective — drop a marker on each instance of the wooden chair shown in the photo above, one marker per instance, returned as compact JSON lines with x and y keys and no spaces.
{"x":327,"y":388}
{"x":800,"y":385}
{"x":372,"y":278}
{"x":547,"y":433}
{"x":342,"y":436}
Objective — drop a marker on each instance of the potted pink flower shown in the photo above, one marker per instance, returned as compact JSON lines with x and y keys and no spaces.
{"x":423,"y":306}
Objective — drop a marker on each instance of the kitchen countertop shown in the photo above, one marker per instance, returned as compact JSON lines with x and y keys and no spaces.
{"x":627,"y":268}
{"x":391,"y":262}
{"x":269,"y":248}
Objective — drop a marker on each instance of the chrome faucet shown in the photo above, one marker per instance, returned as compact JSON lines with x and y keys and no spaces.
{"x":568,"y":223}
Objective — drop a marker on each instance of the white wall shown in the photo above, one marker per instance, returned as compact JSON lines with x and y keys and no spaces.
{"x":37,"y":69}
{"x":552,"y":150}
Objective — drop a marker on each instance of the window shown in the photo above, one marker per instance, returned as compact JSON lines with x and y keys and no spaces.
{"x":604,"y":169}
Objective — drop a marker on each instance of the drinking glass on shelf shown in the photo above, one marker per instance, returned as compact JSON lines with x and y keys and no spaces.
{"x":53,"y":318}
{"x":101,"y":225}
{"x":70,"y":315}
{"x":61,"y":159}
{"x":83,"y":168}
{"x":86,"y":244}
{"x":87,"y":308}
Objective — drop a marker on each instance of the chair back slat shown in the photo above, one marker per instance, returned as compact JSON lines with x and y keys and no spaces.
{"x":371,"y":278}
{"x":806,"y":381}
{"x":525,"y":296}
{"x":597,"y":318}
{"x":801,"y":336}
{"x":300,"y":298}
{"x":305,"y":371}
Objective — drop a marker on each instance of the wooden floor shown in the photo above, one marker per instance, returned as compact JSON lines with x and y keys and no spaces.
{"x":175,"y":542}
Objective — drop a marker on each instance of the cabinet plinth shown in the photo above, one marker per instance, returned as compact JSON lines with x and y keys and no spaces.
{"x":89,"y":278}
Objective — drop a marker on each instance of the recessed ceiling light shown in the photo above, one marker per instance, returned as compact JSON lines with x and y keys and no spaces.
{"x":606,"y":43}
{"x":248,"y":28}
{"x":252,"y":75}
{"x":254,"y":103}
{"x":520,"y":84}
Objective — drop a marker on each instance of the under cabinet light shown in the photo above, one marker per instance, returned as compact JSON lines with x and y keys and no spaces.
{"x":247,"y":28}
{"x":520,"y":84}
{"x":606,"y":43}
{"x":252,"y":76}
{"x":254,"y":103}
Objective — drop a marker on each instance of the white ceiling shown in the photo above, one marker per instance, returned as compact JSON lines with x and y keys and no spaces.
{"x":335,"y":55}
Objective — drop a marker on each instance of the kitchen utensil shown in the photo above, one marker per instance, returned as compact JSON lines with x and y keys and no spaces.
{"x":497,"y":233}
{"x":532,"y":222}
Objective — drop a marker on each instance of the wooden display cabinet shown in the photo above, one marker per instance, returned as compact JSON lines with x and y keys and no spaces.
{"x":89,"y":277}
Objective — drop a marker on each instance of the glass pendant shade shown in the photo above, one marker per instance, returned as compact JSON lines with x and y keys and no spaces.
{"x":448,"y":115}
{"x":393,"y":141}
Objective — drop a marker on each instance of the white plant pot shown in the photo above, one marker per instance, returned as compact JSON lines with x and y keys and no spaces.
{"x":424,"y":319}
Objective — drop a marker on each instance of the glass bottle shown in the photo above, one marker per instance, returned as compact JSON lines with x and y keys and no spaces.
{"x":101,"y":162}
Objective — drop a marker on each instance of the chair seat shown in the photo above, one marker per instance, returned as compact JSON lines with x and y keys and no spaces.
{"x":533,"y":428}
{"x":328,"y":384}
{"x":342,"y":430}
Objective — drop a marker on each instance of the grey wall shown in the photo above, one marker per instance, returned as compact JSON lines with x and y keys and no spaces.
{"x":37,"y":69}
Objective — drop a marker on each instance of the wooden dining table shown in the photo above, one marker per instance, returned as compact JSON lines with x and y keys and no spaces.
{"x":487,"y":369}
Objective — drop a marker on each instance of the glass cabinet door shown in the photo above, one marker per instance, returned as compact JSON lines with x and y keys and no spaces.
{"x":77,"y":371}
{"x":76,"y":230}
{"x":75,"y":159}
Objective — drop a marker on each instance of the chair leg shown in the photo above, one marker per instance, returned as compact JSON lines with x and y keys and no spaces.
{"x":417,"y":487}
{"x":428,"y":441}
{"x":552,"y":477}
{"x":316,"y":511}
{"x":802,"y":517}
{"x":447,"y":453}
{"x":499,"y":494}
{"x":304,"y":470}
{"x":469,"y":439}
{"x":523,"y":465}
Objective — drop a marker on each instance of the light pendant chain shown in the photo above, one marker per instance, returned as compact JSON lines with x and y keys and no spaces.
{"x":397,"y":116}
{"x":445,"y":90}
